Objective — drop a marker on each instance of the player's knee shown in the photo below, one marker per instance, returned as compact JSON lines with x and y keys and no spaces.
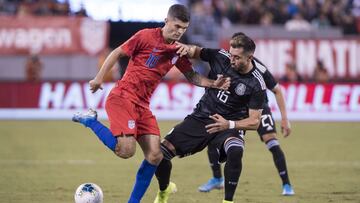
{"x":272,"y":143}
{"x":234,"y":149}
{"x":234,"y":157}
{"x":235,"y":152}
{"x":267,"y":137}
{"x":154,"y":157}
{"x":168,"y":154}
{"x":124,"y":152}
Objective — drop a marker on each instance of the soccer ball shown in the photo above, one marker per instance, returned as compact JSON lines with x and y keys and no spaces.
{"x":88,"y":193}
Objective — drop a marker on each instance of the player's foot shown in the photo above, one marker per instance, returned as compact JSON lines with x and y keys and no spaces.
{"x":85,"y":118}
{"x":288,"y":190}
{"x":163,"y":196}
{"x":213,"y":183}
{"x":225,"y":201}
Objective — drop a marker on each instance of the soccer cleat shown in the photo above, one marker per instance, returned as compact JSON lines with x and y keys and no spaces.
{"x":213,"y":183}
{"x":163,"y":196}
{"x":85,"y":118}
{"x":225,"y":201}
{"x":287,"y":190}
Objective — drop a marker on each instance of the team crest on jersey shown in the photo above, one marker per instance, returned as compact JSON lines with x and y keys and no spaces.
{"x":131,"y":124}
{"x":174,"y":59}
{"x":240,"y":89}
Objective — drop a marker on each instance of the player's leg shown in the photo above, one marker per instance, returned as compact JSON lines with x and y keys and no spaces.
{"x":279,"y":160}
{"x":214,"y":161}
{"x":186,"y":138}
{"x":233,"y":148}
{"x":120,"y":137}
{"x":150,"y":145}
{"x":217,"y":181}
{"x":267,"y":132}
{"x":163,"y":173}
{"x":149,"y":140}
{"x":89,"y":119}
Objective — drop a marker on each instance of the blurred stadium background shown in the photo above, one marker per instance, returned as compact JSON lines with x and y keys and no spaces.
{"x":50,"y":49}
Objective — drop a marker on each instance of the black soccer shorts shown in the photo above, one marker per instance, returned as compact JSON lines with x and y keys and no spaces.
{"x":267,"y":122}
{"x":190,"y":136}
{"x":218,"y":143}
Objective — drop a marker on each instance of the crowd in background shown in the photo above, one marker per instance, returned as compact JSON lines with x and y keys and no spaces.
{"x":37,"y":8}
{"x":293,"y":14}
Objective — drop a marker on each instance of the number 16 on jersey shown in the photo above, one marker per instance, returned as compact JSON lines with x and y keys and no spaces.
{"x":223,"y":95}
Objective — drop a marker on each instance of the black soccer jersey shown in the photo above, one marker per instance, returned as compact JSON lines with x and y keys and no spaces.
{"x":247,"y":91}
{"x":268,"y":77}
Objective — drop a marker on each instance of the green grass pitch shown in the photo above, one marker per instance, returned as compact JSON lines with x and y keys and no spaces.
{"x":44,"y":161}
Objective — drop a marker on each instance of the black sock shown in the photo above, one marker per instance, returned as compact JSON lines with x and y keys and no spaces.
{"x":214,"y":161}
{"x":280,"y":163}
{"x":232,"y":171}
{"x":163,"y":173}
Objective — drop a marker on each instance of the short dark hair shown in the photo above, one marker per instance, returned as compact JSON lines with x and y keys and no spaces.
{"x":240,"y":40}
{"x":180,"y":12}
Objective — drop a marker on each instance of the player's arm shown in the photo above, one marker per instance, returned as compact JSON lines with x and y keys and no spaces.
{"x":109,"y":62}
{"x":250,"y":123}
{"x":195,"y":78}
{"x":285,"y":124}
{"x":191,"y":51}
{"x":128,"y":48}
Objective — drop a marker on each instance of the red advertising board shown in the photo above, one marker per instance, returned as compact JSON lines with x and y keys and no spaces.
{"x":59,"y":100}
{"x":52,"y":35}
{"x":341,"y":57}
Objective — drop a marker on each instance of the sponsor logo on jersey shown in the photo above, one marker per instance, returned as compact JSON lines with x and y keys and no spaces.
{"x":174,"y":59}
{"x":156,"y":50}
{"x":240,"y":89}
{"x":131,"y":124}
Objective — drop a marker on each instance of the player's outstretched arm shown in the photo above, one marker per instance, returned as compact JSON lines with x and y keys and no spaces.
{"x":195,"y":78}
{"x":285,"y":124}
{"x":221,"y":124}
{"x":109,"y":62}
{"x":191,"y":51}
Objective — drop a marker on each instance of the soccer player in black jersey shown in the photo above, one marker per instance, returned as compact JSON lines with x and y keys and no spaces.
{"x":220,"y":117}
{"x":267,"y":133}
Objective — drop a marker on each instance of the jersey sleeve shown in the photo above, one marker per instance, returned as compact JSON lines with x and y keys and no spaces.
{"x":183,"y":64}
{"x":269,"y":79}
{"x":133,"y":44}
{"x":257,"y":99}
{"x":208,"y":54}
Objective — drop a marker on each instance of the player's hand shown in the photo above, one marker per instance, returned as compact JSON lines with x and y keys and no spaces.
{"x":219,"y":125}
{"x":222,"y":83}
{"x":95,"y":85}
{"x":182,"y":49}
{"x":285,"y":127}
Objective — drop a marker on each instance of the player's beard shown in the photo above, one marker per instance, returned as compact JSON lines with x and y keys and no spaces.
{"x":239,"y":68}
